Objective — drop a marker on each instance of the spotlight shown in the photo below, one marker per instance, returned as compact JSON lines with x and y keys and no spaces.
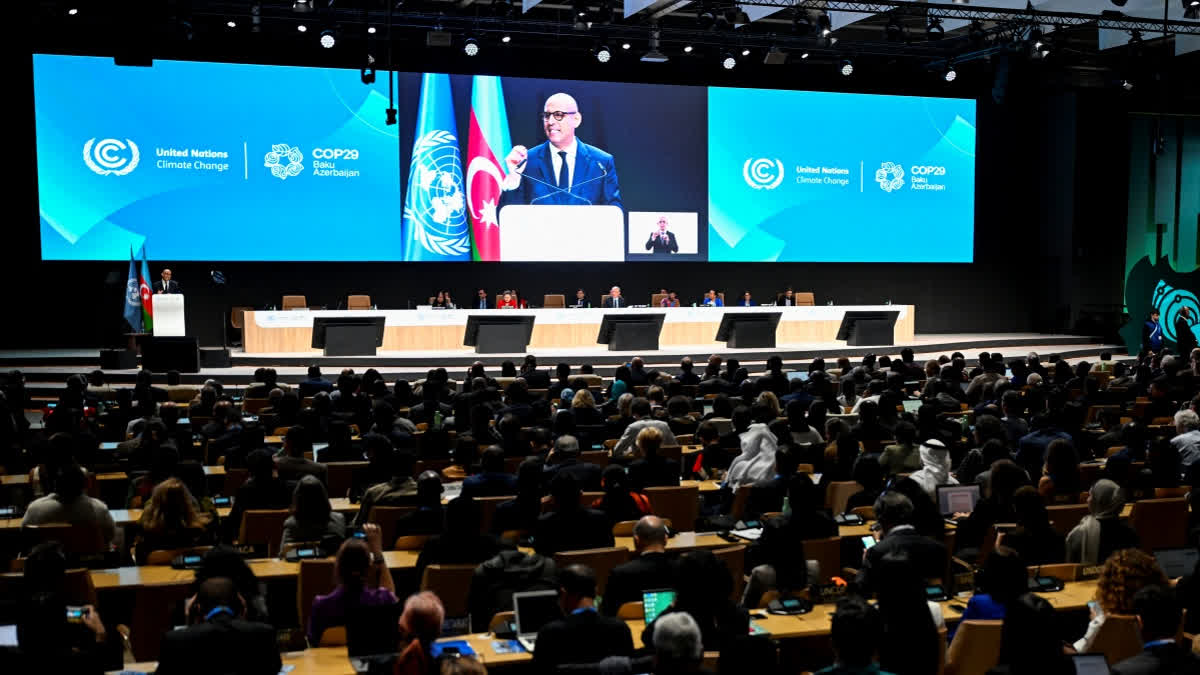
{"x":470,"y":47}
{"x":894,"y":31}
{"x":73,"y":11}
{"x":367,"y":75}
{"x":935,"y":30}
{"x":302,"y":6}
{"x":847,"y":68}
{"x":302,"y":28}
{"x":625,"y":46}
{"x":804,"y":55}
{"x":371,"y":30}
{"x":1127,"y":84}
{"x":1039,"y":44}
{"x":231,"y":23}
{"x":327,"y":38}
{"x":687,"y":49}
{"x":728,"y":62}
{"x":746,"y":51}
{"x":950,"y":75}
{"x":604,"y":54}
{"x":506,"y":38}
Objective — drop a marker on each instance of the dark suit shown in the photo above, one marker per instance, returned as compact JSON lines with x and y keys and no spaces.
{"x":581,"y":637}
{"x":1185,"y":339}
{"x":295,"y":468}
{"x":168,"y":287}
{"x":593,"y":181}
{"x":614,"y":303}
{"x":490,"y":485}
{"x":926,"y":555}
{"x":626,"y":581}
{"x":222,"y":645}
{"x":657,"y":246}
{"x":311,"y":386}
{"x":572,"y":530}
{"x":585,"y":473}
{"x":1166,"y":659}
{"x":580,"y":302}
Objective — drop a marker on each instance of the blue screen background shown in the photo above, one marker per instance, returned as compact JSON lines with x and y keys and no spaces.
{"x":859,"y":222}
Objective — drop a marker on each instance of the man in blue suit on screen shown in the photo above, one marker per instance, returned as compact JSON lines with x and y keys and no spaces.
{"x":563,"y":170}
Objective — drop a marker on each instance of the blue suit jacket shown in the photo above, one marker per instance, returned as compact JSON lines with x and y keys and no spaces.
{"x":595,"y":180}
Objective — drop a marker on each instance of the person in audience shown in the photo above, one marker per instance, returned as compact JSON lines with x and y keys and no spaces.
{"x":1123,"y":574}
{"x":841,"y":454}
{"x":420,"y":625}
{"x":492,"y":480}
{"x":903,"y":456}
{"x":1004,"y":578}
{"x":401,"y":490}
{"x":686,"y":375}
{"x":583,"y":406}
{"x":702,"y":589}
{"x":650,"y":569}
{"x":1187,"y":440}
{"x":801,"y":431}
{"x":712,"y":460}
{"x":570,"y":526}
{"x":218,"y":638}
{"x":780,"y":549}
{"x":679,"y":410}
{"x":620,"y":501}
{"x":996,"y":506}
{"x":767,"y":495}
{"x":935,"y":469}
{"x":522,"y":513}
{"x":1159,"y":616}
{"x":652,"y":470}
{"x":1102,"y":531}
{"x":564,"y":459}
{"x":857,"y":631}
{"x":292,"y":463}
{"x":678,"y":645}
{"x":315,"y":383}
{"x":1060,"y":481}
{"x":363,"y":581}
{"x":1163,"y":463}
{"x":263,"y":490}
{"x":1034,"y":538}
{"x":894,"y":511}
{"x":429,"y":517}
{"x":312,"y":518}
{"x":757,"y":459}
{"x":910,"y":644}
{"x":171,"y":519}
{"x":627,"y":445}
{"x":583,"y":635}
{"x":1029,"y":640}
{"x":68,"y":503}
{"x":460,"y":542}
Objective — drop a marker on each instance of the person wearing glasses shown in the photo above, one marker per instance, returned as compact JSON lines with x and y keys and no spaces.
{"x":563,"y":170}
{"x":661,"y":241}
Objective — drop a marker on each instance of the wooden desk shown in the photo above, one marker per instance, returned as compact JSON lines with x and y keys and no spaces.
{"x":704,"y":485}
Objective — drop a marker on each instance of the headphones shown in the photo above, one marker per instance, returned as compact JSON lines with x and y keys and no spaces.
{"x":217,"y":611}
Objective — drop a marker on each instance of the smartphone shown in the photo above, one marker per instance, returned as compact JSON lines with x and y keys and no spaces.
{"x":1094,"y":606}
{"x":358,"y":534}
{"x":192,"y":559}
{"x":75,"y":613}
{"x":868,"y":541}
{"x":222,"y":501}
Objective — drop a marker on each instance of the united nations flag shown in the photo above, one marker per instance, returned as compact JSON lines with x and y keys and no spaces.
{"x":435,"y":222}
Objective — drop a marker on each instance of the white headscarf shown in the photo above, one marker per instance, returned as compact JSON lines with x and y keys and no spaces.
{"x":1105,"y":501}
{"x":935,"y":471}
{"x":757,"y":461}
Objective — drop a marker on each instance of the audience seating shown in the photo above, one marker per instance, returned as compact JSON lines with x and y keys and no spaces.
{"x":975,"y":648}
{"x":77,"y":540}
{"x":804,"y":299}
{"x":1160,"y":523}
{"x":317,"y":576}
{"x":333,"y":636}
{"x":554,"y":300}
{"x":1118,"y":638}
{"x":487,"y":510}
{"x":263,"y":527}
{"x":452,"y":583}
{"x":294,"y":302}
{"x":358,"y":302}
{"x":680,"y":505}
{"x":1064,"y":517}
{"x":165,"y":556}
{"x":827,"y":552}
{"x":838,"y":492}
{"x":410,"y":542}
{"x":631,"y":611}
{"x":386,"y":518}
{"x":601,"y":560}
{"x":734,"y":558}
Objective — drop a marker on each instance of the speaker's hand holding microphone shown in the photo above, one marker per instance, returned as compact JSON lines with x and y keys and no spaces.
{"x":515,"y":164}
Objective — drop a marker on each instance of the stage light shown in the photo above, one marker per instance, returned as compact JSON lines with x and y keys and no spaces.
{"x":746,"y":51}
{"x":962,"y":2}
{"x":328,"y":40}
{"x":894,"y":31}
{"x":824,"y":25}
{"x":1127,"y":84}
{"x":367,"y":75}
{"x":506,"y":38}
{"x":302,"y":6}
{"x":371,"y":30}
{"x":950,"y":75}
{"x":804,"y":55}
{"x":728,"y":62}
{"x":1039,"y":44}
{"x":847,"y":68}
{"x":73,"y":11}
{"x":302,"y":28}
{"x":604,"y":54}
{"x":625,"y":46}
{"x":231,"y":23}
{"x":935,"y":31}
{"x":470,"y":47}
{"x":687,"y":49}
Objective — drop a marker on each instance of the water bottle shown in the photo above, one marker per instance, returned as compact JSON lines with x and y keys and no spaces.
{"x":437,"y":420}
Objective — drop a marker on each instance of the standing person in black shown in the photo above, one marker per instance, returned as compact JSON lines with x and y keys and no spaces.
{"x":583,"y":635}
{"x":218,"y":639}
{"x":571,"y":526}
{"x":1185,"y":339}
{"x":650,"y":570}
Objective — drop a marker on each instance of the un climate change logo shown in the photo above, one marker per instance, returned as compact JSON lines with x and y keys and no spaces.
{"x":1168,"y":300}
{"x":284,"y":160}
{"x":109,"y":156}
{"x":763,"y":173}
{"x":890,"y":176}
{"x":437,"y":205}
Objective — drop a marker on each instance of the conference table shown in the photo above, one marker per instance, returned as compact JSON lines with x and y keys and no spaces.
{"x":442,"y":329}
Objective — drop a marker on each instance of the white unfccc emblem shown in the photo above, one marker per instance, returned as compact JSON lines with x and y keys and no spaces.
{"x":763,"y":173}
{"x":109,"y":156}
{"x":284,"y":160}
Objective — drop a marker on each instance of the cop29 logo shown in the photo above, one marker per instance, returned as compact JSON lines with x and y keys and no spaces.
{"x":284,"y":160}
{"x":890,"y":176}
{"x":763,"y":173}
{"x":111,"y":156}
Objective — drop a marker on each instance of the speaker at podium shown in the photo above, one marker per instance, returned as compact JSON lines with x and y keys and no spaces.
{"x":168,"y":315}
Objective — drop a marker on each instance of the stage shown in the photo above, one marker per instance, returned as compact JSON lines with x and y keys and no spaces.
{"x":45,"y":369}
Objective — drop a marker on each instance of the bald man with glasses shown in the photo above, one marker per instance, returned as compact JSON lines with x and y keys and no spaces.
{"x":563,"y":170}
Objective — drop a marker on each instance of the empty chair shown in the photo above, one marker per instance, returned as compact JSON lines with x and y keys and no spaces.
{"x":734,"y":558}
{"x":1160,"y":523}
{"x":317,"y":577}
{"x":387,"y":517}
{"x":839,"y":492}
{"x":680,"y":505}
{"x":554,"y":300}
{"x":827,"y":552}
{"x":358,"y":302}
{"x":804,"y":299}
{"x":451,"y":583}
{"x":295,"y":302}
{"x":1064,"y":517}
{"x":263,"y":527}
{"x":1118,"y":638}
{"x":601,"y":560}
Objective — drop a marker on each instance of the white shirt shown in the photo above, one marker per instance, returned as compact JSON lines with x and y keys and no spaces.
{"x":556,"y":161}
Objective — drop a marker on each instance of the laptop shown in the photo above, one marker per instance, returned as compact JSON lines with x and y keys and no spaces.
{"x":912,"y":406}
{"x":533,"y":610}
{"x":954,"y":499}
{"x":1090,"y":664}
{"x":1177,"y":562}
{"x":655,"y":602}
{"x":8,"y":636}
{"x":801,"y":375}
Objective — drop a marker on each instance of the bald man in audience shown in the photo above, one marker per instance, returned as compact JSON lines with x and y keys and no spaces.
{"x":651,"y":569}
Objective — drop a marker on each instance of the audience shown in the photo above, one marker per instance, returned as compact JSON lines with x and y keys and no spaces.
{"x":570,"y":526}
{"x":460,"y":542}
{"x":910,"y":643}
{"x":1002,"y":580}
{"x":678,"y":646}
{"x":1029,"y":640}
{"x":1124,"y":573}
{"x":702,"y":589}
{"x":312,"y":519}
{"x":364,"y":580}
{"x":857,"y":632}
{"x":582,"y":635}
{"x":67,"y":503}
{"x":1159,"y":616}
{"x":894,"y":512}
{"x":652,"y":470}
{"x":401,"y":490}
{"x":218,"y":638}
{"x":1101,"y":531}
{"x":620,"y":501}
{"x":650,"y":568}
{"x":420,"y":625}
{"x":171,"y":519}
